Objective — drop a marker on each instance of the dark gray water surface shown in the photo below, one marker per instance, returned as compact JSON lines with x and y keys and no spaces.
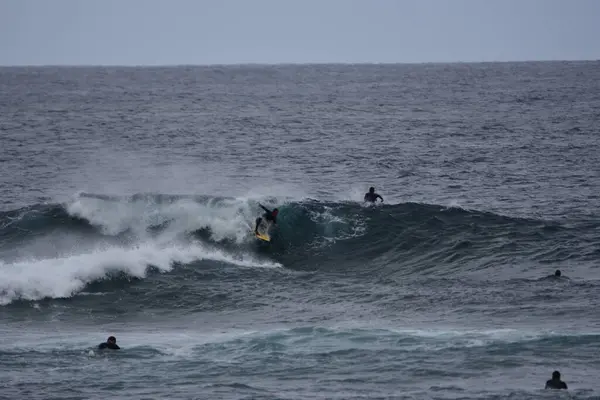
{"x":126,"y":196}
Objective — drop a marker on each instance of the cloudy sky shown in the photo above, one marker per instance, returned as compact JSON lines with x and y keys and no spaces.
{"x":161,"y":32}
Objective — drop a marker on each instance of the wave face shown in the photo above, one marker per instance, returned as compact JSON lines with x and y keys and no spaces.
{"x":57,"y":250}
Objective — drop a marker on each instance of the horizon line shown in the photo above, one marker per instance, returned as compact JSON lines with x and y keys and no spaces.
{"x":283,"y":64}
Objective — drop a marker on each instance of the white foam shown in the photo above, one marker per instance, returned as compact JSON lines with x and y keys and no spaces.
{"x":64,"y":276}
{"x":454,"y":203}
{"x":439,"y":337}
{"x":61,"y":266}
{"x":226,"y":219}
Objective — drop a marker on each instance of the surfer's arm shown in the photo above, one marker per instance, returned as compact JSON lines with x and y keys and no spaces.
{"x":265,"y":208}
{"x":380,"y":198}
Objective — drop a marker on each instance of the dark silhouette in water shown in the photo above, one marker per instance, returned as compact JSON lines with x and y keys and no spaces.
{"x":111,"y":343}
{"x":558,"y":275}
{"x":372,"y":196}
{"x":555,"y":382}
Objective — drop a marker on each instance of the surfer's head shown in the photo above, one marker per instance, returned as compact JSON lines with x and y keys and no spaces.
{"x":275,"y":211}
{"x":556,"y":375}
{"x":557,"y":273}
{"x":111,"y":339}
{"x":371,"y":189}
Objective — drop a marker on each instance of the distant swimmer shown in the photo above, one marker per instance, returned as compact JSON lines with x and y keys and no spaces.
{"x":269,"y":215}
{"x":555,"y":382}
{"x":557,"y":275}
{"x":372,"y":196}
{"x":111,"y":343}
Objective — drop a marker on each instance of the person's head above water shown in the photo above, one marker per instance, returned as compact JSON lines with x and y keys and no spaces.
{"x":111,"y":343}
{"x":557,"y":273}
{"x":275,"y":211}
{"x":371,"y":196}
{"x":555,"y":382}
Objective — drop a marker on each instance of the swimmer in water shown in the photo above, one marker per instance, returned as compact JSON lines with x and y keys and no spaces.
{"x":558,"y":275}
{"x":111,"y":343}
{"x":372,"y":196}
{"x":555,"y":382}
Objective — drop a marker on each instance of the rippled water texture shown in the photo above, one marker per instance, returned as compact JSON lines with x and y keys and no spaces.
{"x":128,"y":195}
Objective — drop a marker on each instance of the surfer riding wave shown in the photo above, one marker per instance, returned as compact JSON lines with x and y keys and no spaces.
{"x":269,"y":216}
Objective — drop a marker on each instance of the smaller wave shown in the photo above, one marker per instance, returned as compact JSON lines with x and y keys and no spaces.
{"x":348,"y":341}
{"x":62,"y":277}
{"x":36,"y":220}
{"x":345,"y":342}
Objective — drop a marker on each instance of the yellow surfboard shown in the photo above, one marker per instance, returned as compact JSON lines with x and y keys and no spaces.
{"x":264,"y":237}
{"x":263,"y":232}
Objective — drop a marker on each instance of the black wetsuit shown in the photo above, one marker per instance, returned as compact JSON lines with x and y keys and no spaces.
{"x":106,"y":345}
{"x":268,"y":215}
{"x":555,"y":384}
{"x":372,"y":197}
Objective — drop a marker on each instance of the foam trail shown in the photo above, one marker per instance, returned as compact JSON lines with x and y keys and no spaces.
{"x":62,"y":277}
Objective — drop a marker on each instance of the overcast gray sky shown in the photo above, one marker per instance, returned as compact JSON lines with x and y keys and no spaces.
{"x":153,"y":32}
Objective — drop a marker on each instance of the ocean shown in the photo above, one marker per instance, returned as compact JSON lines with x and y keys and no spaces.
{"x":128,"y":195}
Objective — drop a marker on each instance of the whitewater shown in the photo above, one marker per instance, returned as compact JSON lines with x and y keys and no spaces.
{"x":128,"y":198}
